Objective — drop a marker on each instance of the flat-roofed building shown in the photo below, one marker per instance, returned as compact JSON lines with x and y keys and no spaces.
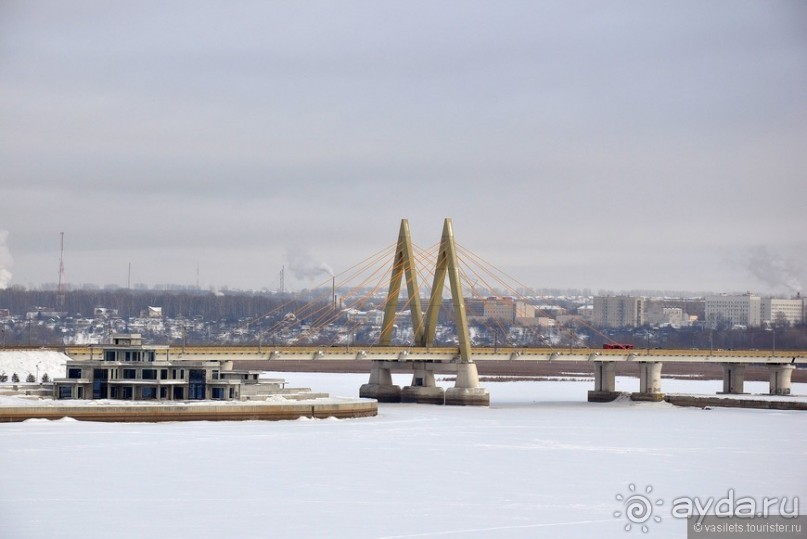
{"x":778,"y":310}
{"x":129,"y":370}
{"x":585,"y":312}
{"x":618,"y":311}
{"x":507,"y":309}
{"x":742,"y":310}
{"x":657,"y":313}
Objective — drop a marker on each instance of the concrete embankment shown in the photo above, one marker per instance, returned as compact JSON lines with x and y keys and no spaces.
{"x":704,"y":401}
{"x":194,"y":412}
{"x":727,"y":402}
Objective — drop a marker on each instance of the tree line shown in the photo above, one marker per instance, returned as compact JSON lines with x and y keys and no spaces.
{"x":134,"y":303}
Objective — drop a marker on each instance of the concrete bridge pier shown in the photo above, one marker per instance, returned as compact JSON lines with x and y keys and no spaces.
{"x":733,"y":378}
{"x":604,"y":382}
{"x":466,"y":390}
{"x":423,"y":389}
{"x":780,"y":379}
{"x":380,"y":386}
{"x":649,"y":382}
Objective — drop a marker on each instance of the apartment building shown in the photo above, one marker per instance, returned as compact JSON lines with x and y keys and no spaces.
{"x":618,"y":311}
{"x":777,"y":310}
{"x":742,"y":310}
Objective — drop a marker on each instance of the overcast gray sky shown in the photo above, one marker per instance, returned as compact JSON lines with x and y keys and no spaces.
{"x":609,"y":145}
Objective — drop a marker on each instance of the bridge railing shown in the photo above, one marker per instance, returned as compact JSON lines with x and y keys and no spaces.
{"x":447,"y":353}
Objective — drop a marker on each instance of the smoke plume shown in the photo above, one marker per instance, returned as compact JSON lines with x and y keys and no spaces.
{"x":773,"y":269}
{"x":304,"y":266}
{"x":6,"y":261}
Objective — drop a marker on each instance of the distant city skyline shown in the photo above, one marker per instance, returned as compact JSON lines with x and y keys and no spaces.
{"x":510,"y":288}
{"x":773,"y":275}
{"x":653,"y":145}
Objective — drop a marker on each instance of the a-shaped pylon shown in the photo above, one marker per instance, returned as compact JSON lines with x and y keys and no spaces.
{"x":447,"y":266}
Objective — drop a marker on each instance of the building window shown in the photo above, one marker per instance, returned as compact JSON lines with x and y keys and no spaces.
{"x":74,"y":373}
{"x":163,"y":374}
{"x":149,"y":374}
{"x":127,"y":392}
{"x":109,"y":355}
{"x":232,"y":392}
{"x":129,"y":374}
{"x":217,"y":393}
{"x":65,"y":392}
{"x":149,"y":393}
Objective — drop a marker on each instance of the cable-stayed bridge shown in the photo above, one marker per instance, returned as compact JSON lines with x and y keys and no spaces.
{"x":423,"y":355}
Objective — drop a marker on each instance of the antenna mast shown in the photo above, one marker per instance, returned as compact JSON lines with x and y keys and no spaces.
{"x":60,"y":289}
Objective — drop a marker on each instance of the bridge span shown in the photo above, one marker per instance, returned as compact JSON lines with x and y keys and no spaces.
{"x":424,"y":357}
{"x":424,"y":361}
{"x":449,"y":354}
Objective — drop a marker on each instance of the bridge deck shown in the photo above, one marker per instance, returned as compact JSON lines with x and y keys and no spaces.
{"x":451,"y":354}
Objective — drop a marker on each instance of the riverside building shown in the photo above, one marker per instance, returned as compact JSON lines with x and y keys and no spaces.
{"x":129,"y":370}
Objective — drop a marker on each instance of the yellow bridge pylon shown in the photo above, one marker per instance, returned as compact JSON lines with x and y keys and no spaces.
{"x":447,"y":266}
{"x":403,"y":266}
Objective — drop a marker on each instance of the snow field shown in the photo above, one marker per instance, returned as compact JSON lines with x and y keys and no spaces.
{"x":540,"y":462}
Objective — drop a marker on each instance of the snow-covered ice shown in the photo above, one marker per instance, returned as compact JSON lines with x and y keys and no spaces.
{"x":540,"y":462}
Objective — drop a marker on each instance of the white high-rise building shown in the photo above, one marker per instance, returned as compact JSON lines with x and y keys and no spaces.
{"x":777,"y":310}
{"x":744,"y":310}
{"x":618,"y":311}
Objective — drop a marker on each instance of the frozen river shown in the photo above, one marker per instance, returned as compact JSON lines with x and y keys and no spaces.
{"x":540,"y":462}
